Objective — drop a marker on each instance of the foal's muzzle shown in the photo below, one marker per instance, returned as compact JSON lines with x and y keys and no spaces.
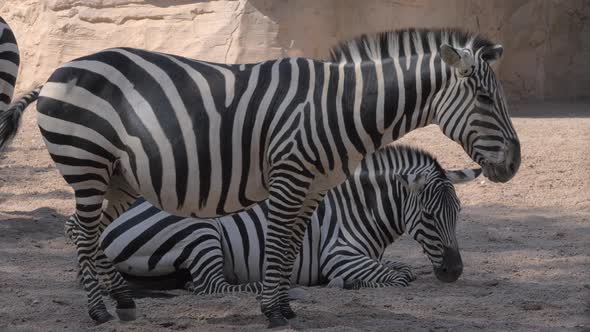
{"x":452,"y":266}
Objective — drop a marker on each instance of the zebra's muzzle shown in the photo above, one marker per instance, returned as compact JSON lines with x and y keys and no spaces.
{"x":504,"y":171}
{"x":452,"y":266}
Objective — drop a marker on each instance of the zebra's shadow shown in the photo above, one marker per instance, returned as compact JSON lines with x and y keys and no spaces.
{"x":41,"y":224}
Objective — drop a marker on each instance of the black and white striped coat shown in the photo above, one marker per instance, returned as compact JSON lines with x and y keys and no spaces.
{"x":205,"y":140}
{"x":9,"y":62}
{"x":395,"y":190}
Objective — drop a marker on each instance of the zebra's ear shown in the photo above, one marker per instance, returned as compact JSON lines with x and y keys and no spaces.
{"x":492,"y":54}
{"x":413,"y":182}
{"x":450,"y":55}
{"x":462,"y":176}
{"x":458,"y":58}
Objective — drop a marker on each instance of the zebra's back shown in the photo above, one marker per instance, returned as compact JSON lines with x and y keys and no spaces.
{"x":159,"y":116}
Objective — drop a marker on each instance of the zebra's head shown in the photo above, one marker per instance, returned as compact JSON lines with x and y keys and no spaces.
{"x":430,"y":216}
{"x":471,"y":108}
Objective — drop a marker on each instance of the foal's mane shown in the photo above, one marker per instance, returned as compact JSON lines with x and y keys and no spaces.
{"x":371,"y":47}
{"x":406,"y":155}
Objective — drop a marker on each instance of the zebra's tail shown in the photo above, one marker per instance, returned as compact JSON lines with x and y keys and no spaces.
{"x":10,"y":118}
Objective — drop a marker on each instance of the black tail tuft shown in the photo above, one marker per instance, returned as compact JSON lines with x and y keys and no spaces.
{"x":10,"y":118}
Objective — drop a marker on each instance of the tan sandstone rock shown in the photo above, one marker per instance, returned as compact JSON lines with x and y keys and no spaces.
{"x":546,"y":43}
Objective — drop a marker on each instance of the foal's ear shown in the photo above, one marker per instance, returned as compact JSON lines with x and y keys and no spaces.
{"x":413,"y":182}
{"x":462,"y":176}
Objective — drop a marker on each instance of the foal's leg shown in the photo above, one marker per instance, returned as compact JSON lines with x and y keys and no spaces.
{"x":399,"y":266}
{"x":364,"y":272}
{"x":206,"y":264}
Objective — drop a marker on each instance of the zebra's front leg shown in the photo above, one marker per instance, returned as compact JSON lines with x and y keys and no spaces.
{"x":401,"y":267}
{"x":223,"y":287}
{"x":372,"y":275}
{"x":358,"y":283}
{"x":287,"y":194}
{"x":302,"y":222}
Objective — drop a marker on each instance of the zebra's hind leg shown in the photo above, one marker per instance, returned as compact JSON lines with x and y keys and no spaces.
{"x":117,"y":288}
{"x":206,"y":262}
{"x":119,"y":197}
{"x":87,"y":216}
{"x":71,"y":232}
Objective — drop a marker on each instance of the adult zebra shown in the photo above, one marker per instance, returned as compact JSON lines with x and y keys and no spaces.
{"x":9,"y":62}
{"x":395,"y":190}
{"x":204,"y":140}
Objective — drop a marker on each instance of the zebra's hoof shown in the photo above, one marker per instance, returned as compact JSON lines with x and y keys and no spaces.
{"x":352,"y":284}
{"x":127,"y":314}
{"x":336,"y":283}
{"x":277,"y":321}
{"x":288,"y":313}
{"x":102,"y":317}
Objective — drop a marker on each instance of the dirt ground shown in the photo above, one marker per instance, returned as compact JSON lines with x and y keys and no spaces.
{"x":525,"y":247}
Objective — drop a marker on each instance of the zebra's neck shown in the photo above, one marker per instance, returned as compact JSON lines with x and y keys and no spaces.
{"x":381,"y":101}
{"x":375,"y":202}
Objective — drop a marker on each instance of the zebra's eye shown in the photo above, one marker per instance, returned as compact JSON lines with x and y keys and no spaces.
{"x":467,"y":72}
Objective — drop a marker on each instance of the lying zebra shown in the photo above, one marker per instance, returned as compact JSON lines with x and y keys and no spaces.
{"x":395,"y":190}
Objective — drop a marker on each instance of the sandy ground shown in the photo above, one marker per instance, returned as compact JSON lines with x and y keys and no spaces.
{"x":525,"y":246}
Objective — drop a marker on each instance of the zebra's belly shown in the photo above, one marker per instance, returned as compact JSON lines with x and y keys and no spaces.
{"x":195,"y":205}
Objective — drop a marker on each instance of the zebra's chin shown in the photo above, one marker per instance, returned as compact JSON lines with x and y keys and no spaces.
{"x":498,"y":172}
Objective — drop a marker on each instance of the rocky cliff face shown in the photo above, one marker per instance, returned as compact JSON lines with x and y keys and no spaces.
{"x":546,"y":43}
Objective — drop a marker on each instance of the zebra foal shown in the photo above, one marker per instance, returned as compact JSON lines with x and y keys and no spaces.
{"x":395,"y":190}
{"x":205,"y":140}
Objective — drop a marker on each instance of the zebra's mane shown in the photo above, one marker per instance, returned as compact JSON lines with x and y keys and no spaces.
{"x":401,"y":157}
{"x":373,"y":47}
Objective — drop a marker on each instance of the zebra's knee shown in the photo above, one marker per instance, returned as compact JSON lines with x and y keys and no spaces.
{"x":70,"y":229}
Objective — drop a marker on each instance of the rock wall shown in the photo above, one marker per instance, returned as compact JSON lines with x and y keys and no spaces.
{"x":546,"y":43}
